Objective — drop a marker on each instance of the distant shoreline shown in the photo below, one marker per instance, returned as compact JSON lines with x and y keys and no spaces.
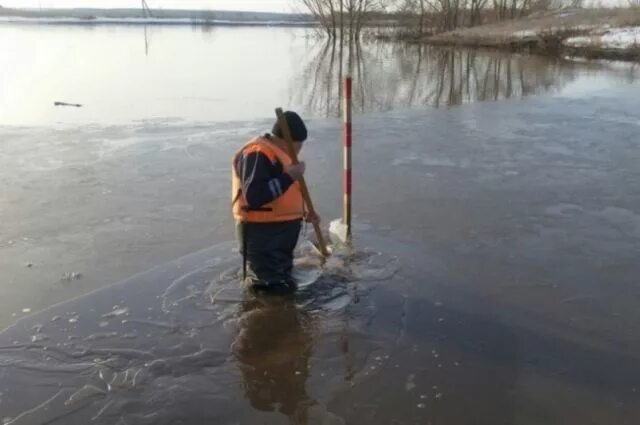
{"x":168,"y":22}
{"x":590,"y":33}
{"x":89,"y":16}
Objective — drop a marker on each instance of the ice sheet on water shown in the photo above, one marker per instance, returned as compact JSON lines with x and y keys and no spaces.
{"x":166,"y":345}
{"x":429,"y":161}
{"x":117,"y":311}
{"x":338,"y":232}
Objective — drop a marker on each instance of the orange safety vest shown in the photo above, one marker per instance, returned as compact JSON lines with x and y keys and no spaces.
{"x":288,"y":206}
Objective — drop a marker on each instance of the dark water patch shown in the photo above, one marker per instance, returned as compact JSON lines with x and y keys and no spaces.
{"x":261,"y":350}
{"x":416,"y":347}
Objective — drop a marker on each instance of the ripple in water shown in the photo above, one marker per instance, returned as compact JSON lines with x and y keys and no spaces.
{"x":186,"y":343}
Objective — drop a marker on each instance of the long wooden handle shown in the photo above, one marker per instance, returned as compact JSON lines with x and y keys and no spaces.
{"x":286,"y":133}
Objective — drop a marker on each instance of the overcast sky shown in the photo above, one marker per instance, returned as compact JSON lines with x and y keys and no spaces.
{"x":253,"y":5}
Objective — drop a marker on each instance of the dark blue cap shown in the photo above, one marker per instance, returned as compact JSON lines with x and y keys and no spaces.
{"x":296,"y":126}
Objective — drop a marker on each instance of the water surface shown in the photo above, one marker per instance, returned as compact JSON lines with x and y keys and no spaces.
{"x":501,"y":188}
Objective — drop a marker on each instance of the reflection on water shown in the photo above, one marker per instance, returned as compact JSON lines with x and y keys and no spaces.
{"x":389,"y":76}
{"x":234,"y":74}
{"x":272,"y":349}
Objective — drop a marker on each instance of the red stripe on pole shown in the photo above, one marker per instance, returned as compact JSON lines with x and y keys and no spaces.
{"x":347,"y":182}
{"x":347,"y":135}
{"x":347,"y":139}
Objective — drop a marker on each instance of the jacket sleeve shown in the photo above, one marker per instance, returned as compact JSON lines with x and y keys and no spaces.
{"x":259,"y":186}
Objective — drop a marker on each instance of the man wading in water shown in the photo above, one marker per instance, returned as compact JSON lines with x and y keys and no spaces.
{"x":268,"y":207}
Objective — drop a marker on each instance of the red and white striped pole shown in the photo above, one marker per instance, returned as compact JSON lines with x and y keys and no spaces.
{"x":347,"y":139}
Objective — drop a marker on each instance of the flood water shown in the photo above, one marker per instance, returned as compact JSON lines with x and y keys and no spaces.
{"x":494,"y":278}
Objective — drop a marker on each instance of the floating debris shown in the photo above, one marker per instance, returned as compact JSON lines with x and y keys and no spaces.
{"x":103,"y":324}
{"x":441,"y":320}
{"x":163,"y":325}
{"x":72,"y":105}
{"x":117,"y":311}
{"x":37,"y":328}
{"x":438,"y":396}
{"x":95,"y":337}
{"x":410,"y":385}
{"x":39,"y":338}
{"x":71,"y":276}
{"x":74,"y":319}
{"x":55,"y":318}
{"x":423,"y":396}
{"x":456,"y":364}
{"x":26,"y":310}
{"x":28,"y":264}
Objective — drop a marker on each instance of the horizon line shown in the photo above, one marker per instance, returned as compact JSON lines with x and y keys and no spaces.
{"x":32,"y":8}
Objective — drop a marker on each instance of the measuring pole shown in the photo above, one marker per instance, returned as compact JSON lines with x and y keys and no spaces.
{"x":347,"y":140}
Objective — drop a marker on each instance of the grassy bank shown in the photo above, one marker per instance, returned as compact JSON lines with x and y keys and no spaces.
{"x":606,"y":33}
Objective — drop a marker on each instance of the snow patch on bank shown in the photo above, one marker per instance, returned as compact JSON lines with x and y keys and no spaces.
{"x":525,"y":34}
{"x":541,"y":32}
{"x":615,"y":38}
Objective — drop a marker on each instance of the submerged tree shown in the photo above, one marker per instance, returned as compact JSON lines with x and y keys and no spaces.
{"x":146,"y":11}
{"x":342,"y":18}
{"x":422,"y":75}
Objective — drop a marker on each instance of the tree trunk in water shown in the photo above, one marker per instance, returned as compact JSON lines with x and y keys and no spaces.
{"x":332,"y":11}
{"x":341,"y":22}
{"x":341,"y":55}
{"x":422,"y":17}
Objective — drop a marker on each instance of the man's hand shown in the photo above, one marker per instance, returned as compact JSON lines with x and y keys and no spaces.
{"x":296,"y":171}
{"x":312,"y":218}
